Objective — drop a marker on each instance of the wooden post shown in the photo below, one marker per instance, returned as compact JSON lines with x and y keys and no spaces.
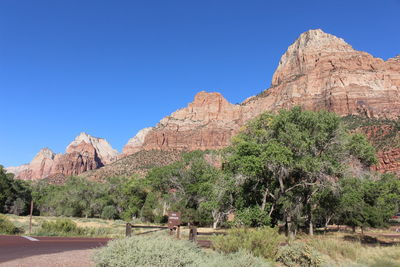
{"x":128,"y":230}
{"x":193,"y":234}
{"x":30,"y":218}
{"x":178,"y":232}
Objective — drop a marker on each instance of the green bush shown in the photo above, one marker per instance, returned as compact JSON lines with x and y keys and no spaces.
{"x":299,"y":254}
{"x":162,"y":250}
{"x":94,"y":231}
{"x":59,"y":227}
{"x":149,"y":250}
{"x":238,"y":259}
{"x":7,"y":227}
{"x":261,"y":242}
{"x":109,"y":213}
{"x":67,"y":227}
{"x":252,"y":217}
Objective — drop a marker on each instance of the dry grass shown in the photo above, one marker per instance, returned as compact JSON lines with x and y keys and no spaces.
{"x":115,"y":228}
{"x":338,"y":251}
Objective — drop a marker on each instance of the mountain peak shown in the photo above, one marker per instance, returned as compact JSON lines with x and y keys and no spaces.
{"x":103,"y":148}
{"x":45,"y":153}
{"x":204,"y":98}
{"x":318,"y":39}
{"x":85,"y":137}
{"x":310,"y":45}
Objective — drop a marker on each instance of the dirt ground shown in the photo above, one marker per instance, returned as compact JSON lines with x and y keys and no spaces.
{"x":75,"y":258}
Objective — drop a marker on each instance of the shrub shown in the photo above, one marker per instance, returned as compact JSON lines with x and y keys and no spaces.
{"x":59,"y":227}
{"x":149,"y":250}
{"x":238,"y":259}
{"x":337,"y":249}
{"x":261,"y":242}
{"x":252,"y":217}
{"x":299,"y":254}
{"x":94,"y":231}
{"x":7,"y":227}
{"x":109,"y":212}
{"x":162,"y":250}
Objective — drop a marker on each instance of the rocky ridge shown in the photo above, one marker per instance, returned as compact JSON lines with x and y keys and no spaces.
{"x":83,"y":154}
{"x":318,"y":71}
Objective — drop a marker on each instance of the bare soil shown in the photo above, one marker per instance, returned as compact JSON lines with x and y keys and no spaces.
{"x":75,"y":258}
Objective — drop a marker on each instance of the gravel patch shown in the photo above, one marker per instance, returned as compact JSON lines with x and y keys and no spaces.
{"x":74,"y":258}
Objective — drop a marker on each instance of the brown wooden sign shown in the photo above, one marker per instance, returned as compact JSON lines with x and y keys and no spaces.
{"x":174,"y":219}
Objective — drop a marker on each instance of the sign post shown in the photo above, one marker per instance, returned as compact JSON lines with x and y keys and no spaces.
{"x":30,"y":217}
{"x":174,"y":222}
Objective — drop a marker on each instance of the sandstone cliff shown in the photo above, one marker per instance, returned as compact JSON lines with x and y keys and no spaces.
{"x":318,"y":71}
{"x":83,"y":154}
{"x":321,"y":71}
{"x":207,"y":123}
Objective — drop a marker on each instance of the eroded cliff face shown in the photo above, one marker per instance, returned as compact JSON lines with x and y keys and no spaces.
{"x":83,"y":154}
{"x":208,"y":122}
{"x":321,"y":71}
{"x":388,"y":161}
{"x":318,"y":71}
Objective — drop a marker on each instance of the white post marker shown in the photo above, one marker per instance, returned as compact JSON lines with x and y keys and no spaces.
{"x":29,"y":238}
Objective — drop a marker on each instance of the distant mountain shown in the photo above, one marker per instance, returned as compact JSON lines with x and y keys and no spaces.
{"x":84,"y":153}
{"x":318,"y":71}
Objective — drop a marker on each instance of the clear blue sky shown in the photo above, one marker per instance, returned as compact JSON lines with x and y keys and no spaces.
{"x":110,"y":68}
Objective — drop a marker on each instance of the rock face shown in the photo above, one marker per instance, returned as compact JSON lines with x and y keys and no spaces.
{"x":103,"y":149}
{"x":321,"y":71}
{"x":207,"y":123}
{"x":318,"y":71}
{"x":389,"y":161}
{"x":83,"y":154}
{"x":135,"y":143}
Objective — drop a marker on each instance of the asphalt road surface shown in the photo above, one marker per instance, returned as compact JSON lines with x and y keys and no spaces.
{"x":17,"y":247}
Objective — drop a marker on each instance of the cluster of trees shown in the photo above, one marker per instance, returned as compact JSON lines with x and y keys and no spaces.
{"x":78,"y":197}
{"x":15,"y":195}
{"x":290,"y":168}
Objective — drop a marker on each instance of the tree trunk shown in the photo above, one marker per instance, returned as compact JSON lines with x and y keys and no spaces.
{"x":311,"y":228}
{"x":216,"y":217}
{"x":289,"y":227}
{"x":264,"y":201}
{"x":354,"y":229}
{"x":215,"y":224}
{"x":310,"y":223}
{"x":271,"y":210}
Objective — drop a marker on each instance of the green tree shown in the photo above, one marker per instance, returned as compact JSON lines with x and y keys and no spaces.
{"x":286,"y":159}
{"x":192,"y":186}
{"x":369,"y":202}
{"x":15,"y":195}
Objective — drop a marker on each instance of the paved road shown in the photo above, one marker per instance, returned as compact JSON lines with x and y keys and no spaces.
{"x":16,"y":247}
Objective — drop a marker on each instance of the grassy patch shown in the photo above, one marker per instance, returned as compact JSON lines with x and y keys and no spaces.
{"x":7,"y":227}
{"x":87,"y":226}
{"x":262,"y":242}
{"x":337,"y":251}
{"x":162,"y":250}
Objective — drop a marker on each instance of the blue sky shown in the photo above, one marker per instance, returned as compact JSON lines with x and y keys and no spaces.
{"x":110,"y":68}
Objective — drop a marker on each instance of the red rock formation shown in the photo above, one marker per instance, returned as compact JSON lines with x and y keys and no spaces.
{"x":208,"y":122}
{"x":318,"y":71}
{"x":83,"y":154}
{"x":389,"y":161}
{"x":321,"y":71}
